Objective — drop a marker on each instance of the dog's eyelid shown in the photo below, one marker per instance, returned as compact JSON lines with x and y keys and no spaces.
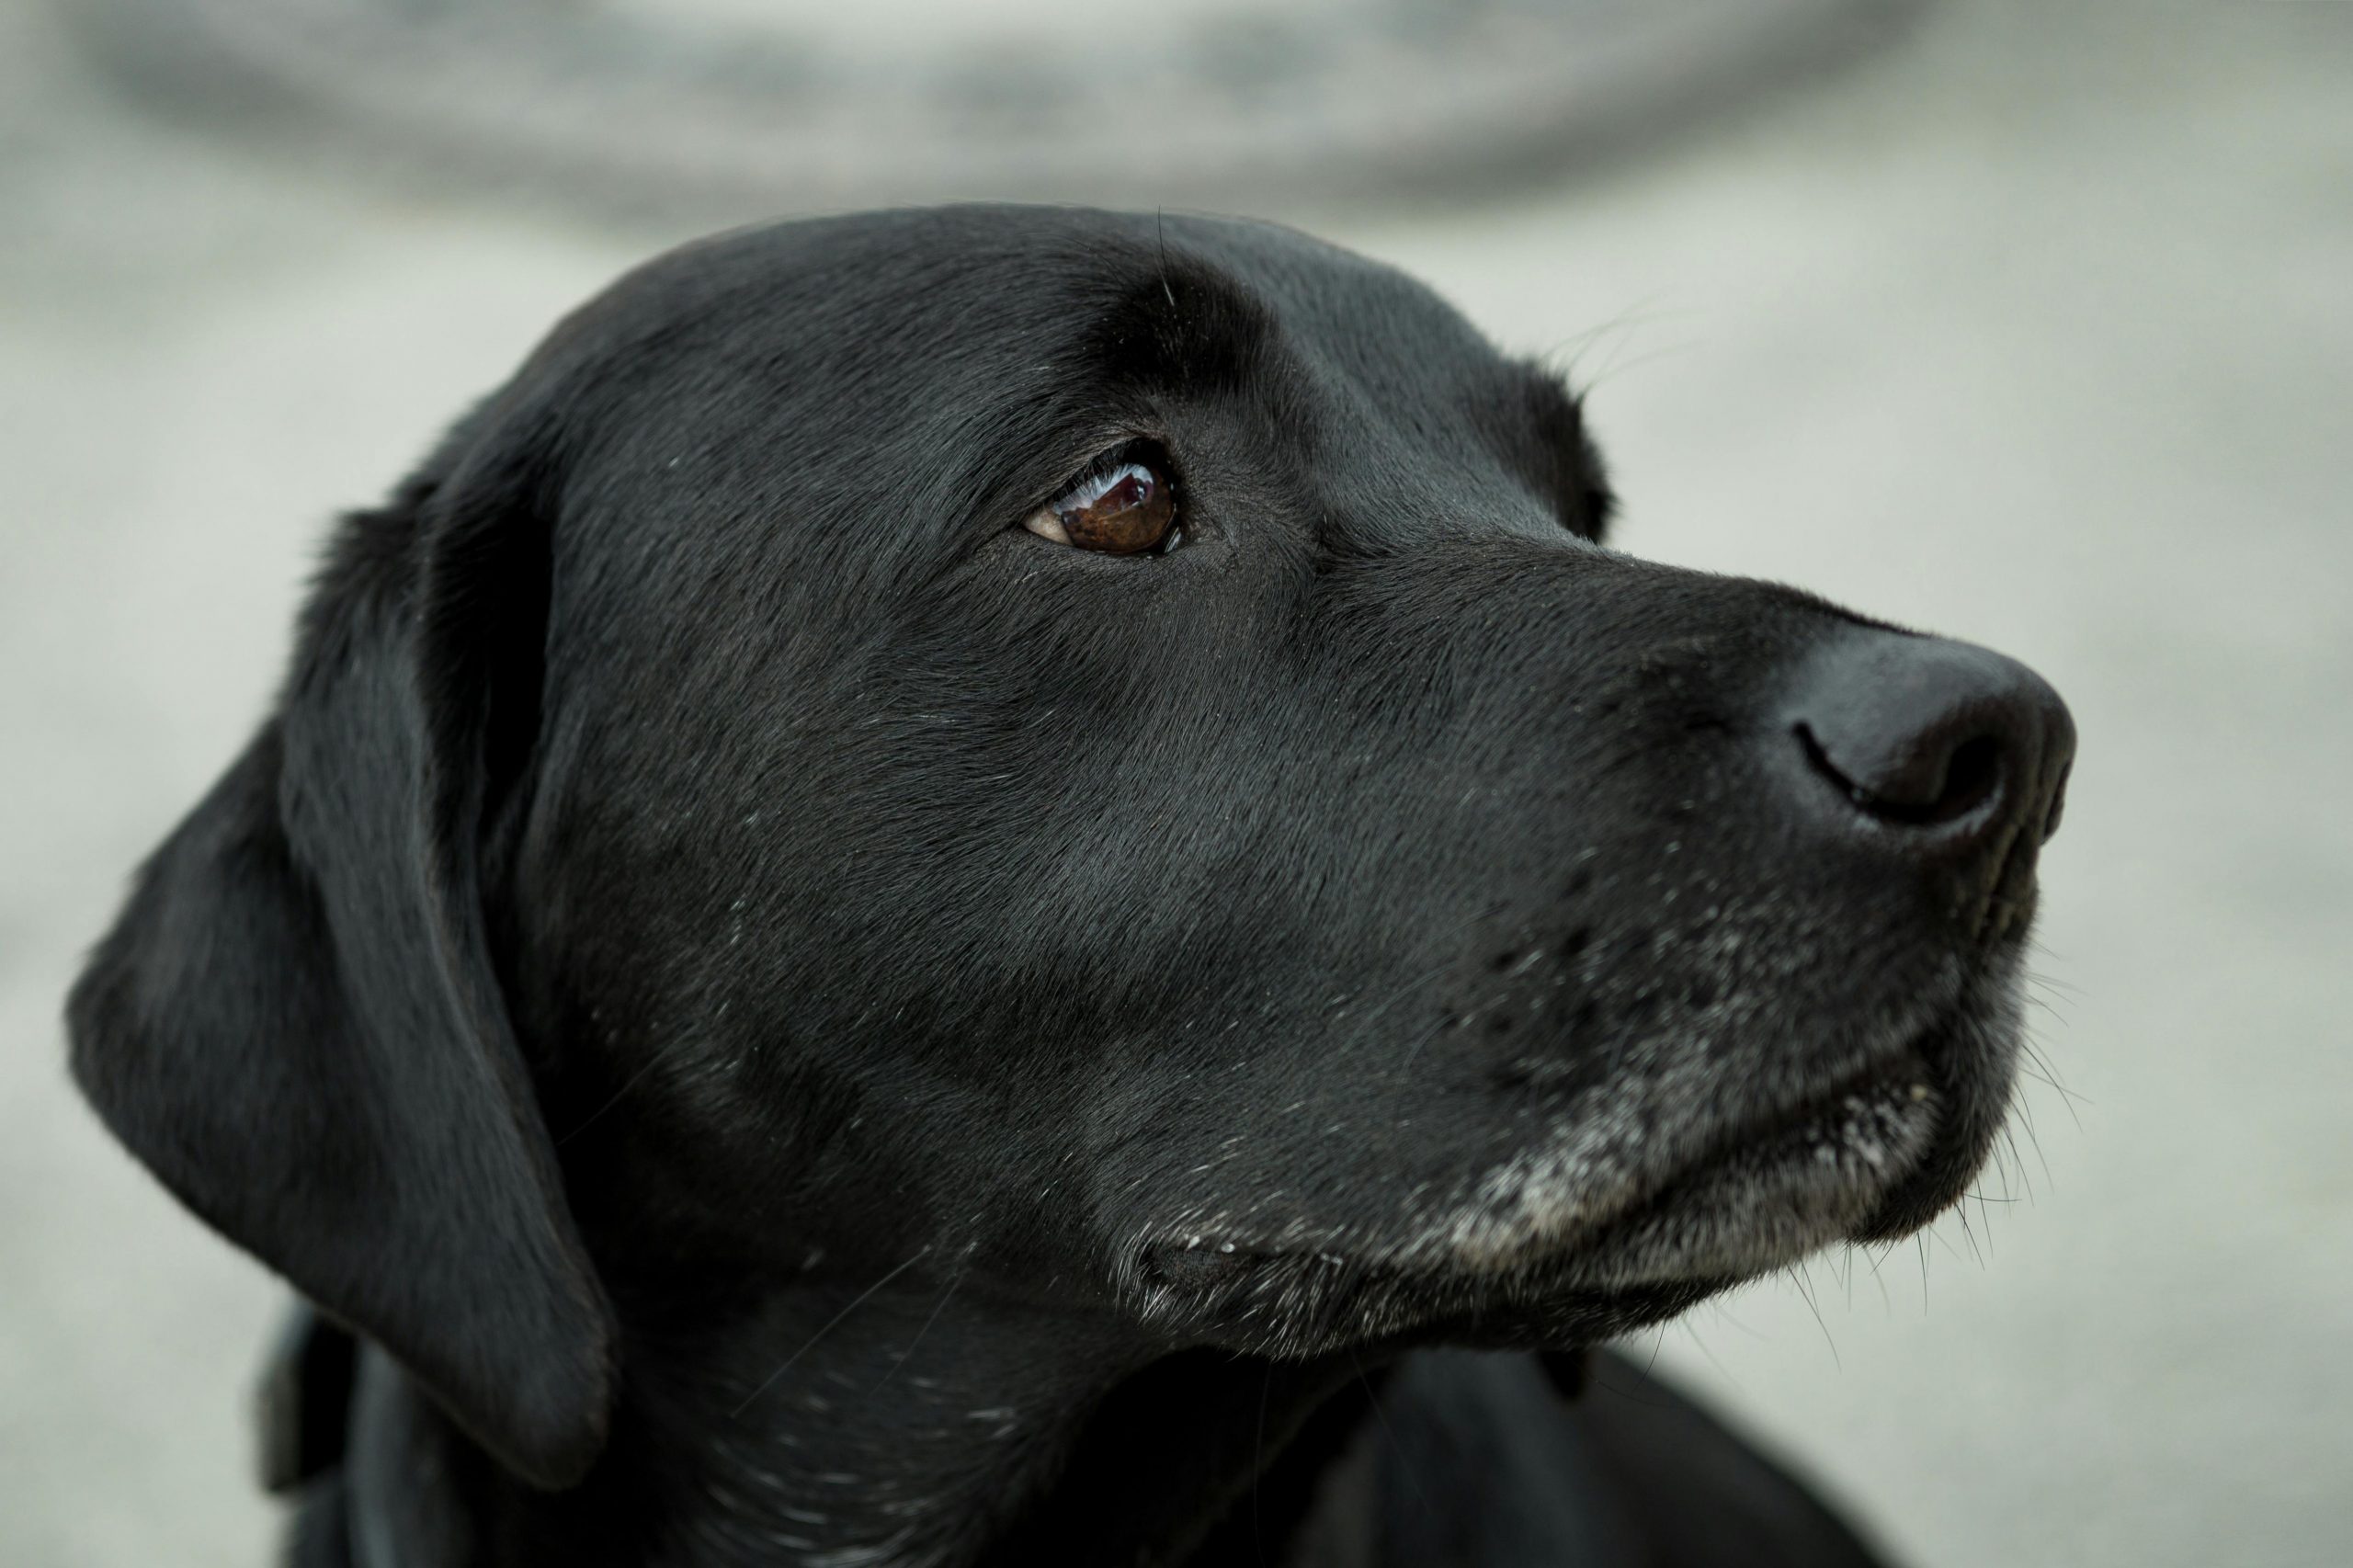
{"x":1577,"y":488}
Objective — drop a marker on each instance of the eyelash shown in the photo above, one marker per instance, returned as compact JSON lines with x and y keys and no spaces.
{"x":1135,"y":449}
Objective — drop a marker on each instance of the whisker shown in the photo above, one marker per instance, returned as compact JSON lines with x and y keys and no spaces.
{"x":631,"y":1082}
{"x":1804,"y":1282}
{"x":1614,"y":368}
{"x":937,"y":1307}
{"x":2056,"y":1016}
{"x":2025,"y":1119}
{"x":2050,"y":1074}
{"x":1372,"y":1396}
{"x":2065,"y":987}
{"x":1258,"y":1467}
{"x":2010,"y":1141}
{"x":1576,"y":345}
{"x":1420,"y":1040}
{"x":1693,"y":1332}
{"x":831,"y":1324}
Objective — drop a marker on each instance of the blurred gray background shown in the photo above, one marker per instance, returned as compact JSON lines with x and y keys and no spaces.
{"x":2029,"y":323}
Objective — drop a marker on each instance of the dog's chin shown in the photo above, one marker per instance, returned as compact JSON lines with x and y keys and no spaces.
{"x":1544,"y":1255}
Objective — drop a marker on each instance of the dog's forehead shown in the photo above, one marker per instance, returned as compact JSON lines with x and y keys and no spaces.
{"x":937,"y":301}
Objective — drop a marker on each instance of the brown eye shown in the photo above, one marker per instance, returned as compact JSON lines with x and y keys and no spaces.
{"x":1124,"y":510}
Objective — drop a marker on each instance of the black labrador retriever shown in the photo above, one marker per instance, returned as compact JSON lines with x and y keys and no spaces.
{"x":979,"y":886}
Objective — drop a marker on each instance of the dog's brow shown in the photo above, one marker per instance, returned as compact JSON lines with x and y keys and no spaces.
{"x":1180,"y":323}
{"x":1565,"y":463}
{"x":1557,"y":409}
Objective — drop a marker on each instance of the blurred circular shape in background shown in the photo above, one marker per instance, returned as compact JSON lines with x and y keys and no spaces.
{"x":720,"y":106}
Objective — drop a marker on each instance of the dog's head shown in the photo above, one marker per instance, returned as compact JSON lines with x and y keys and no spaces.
{"x":1099,"y":758}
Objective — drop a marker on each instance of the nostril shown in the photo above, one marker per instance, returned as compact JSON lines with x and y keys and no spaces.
{"x":1971,"y":775}
{"x":1936,"y":783}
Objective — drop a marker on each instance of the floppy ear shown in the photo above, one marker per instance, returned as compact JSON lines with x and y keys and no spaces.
{"x":296,"y":1023}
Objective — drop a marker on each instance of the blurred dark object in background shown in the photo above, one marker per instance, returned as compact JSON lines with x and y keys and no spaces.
{"x":723,"y":106}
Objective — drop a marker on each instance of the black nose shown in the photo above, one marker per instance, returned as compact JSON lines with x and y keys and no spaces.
{"x":1950,"y":755}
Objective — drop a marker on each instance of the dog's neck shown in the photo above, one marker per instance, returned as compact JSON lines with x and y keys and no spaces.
{"x":920,"y":1427}
{"x":907,"y":1427}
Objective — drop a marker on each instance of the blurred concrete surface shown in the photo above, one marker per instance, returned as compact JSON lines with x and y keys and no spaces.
{"x":2036,"y":330}
{"x":704,"y":109}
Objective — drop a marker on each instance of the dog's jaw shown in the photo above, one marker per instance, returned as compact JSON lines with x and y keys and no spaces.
{"x":1617,"y":1219}
{"x":1765,"y":1199}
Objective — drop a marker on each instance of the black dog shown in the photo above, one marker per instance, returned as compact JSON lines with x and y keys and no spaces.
{"x":944,"y":890}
